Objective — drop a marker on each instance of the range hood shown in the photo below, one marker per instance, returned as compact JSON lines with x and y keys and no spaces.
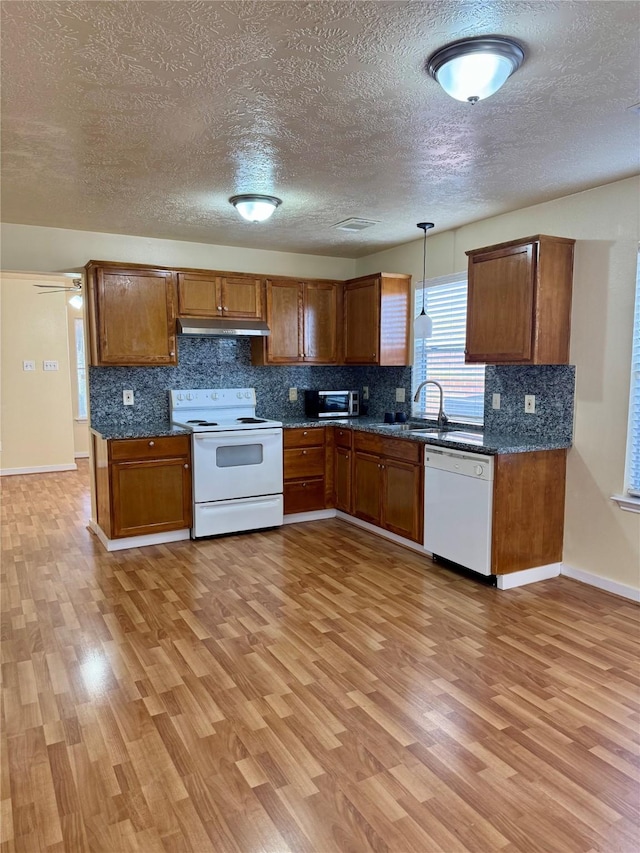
{"x":205,"y":327}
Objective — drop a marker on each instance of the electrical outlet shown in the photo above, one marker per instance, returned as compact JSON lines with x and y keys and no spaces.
{"x":49,"y":365}
{"x":127,"y":398}
{"x":293,"y":395}
{"x":495,"y":401}
{"x":28,"y":365}
{"x":399,"y":395}
{"x":365,"y":392}
{"x":530,"y":403}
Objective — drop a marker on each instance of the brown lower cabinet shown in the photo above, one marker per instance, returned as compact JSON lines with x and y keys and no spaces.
{"x":308,"y":485}
{"x":143,"y":486}
{"x":388,"y":484}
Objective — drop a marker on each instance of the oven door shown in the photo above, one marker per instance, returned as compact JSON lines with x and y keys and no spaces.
{"x":236,"y":464}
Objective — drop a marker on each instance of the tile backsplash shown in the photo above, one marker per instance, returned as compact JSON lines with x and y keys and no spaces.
{"x":226,"y":363}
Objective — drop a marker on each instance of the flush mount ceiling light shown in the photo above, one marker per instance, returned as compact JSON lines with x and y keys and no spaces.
{"x":475,"y":68}
{"x":255,"y":208}
{"x":423,"y":324}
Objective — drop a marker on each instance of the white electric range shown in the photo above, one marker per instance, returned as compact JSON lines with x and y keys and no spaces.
{"x":236,"y":457}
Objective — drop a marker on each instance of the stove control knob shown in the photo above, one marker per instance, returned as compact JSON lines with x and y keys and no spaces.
{"x":247,"y":394}
{"x":478,"y":470}
{"x":239,"y":395}
{"x":189,"y":397}
{"x":179,"y":397}
{"x":214,"y":396}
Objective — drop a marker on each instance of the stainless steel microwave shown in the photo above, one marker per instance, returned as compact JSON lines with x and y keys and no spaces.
{"x":332,"y":404}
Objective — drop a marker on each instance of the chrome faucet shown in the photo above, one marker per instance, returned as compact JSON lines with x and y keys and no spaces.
{"x":443,"y":420}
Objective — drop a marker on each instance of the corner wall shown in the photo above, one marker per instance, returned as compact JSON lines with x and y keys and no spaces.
{"x":36,"y":421}
{"x":599,"y":537}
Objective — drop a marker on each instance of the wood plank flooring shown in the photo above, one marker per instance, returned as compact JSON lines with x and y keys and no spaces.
{"x":312,"y":689}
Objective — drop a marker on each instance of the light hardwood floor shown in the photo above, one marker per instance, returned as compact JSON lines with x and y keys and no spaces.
{"x":311,"y":689}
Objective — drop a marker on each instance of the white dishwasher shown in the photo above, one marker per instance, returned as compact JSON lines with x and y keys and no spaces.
{"x":458,"y":499}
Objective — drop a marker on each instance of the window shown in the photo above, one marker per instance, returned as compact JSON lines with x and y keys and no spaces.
{"x":81,"y":367}
{"x":633,"y":455}
{"x":441,"y":357}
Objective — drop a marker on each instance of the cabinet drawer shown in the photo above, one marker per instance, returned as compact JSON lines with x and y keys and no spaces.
{"x":399,"y":448}
{"x":303,"y":462}
{"x":303,"y":436}
{"x":150,"y":448}
{"x":343,"y":437}
{"x":304,"y":495}
{"x":367,"y":442}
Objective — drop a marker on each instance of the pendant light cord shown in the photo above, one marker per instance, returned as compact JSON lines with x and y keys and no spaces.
{"x":425,"y":227}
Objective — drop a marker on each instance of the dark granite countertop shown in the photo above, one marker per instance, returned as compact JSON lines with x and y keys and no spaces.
{"x":459,"y":436}
{"x":150,"y":429}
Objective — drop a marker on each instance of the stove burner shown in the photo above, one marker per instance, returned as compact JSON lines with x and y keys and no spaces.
{"x":205,"y":423}
{"x":251,"y":420}
{"x":196,"y":422}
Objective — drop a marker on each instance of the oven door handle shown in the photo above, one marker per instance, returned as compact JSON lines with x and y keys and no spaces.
{"x":248,"y":436}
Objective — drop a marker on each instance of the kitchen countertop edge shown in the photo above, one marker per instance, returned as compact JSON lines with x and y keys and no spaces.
{"x":493,"y":444}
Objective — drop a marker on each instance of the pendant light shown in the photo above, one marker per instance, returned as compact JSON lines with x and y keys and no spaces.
{"x":255,"y":208}
{"x":423,"y":325}
{"x":475,"y":68}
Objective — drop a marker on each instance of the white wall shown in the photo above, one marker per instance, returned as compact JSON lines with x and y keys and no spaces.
{"x":35,"y":248}
{"x":599,"y":537}
{"x":36,"y":420}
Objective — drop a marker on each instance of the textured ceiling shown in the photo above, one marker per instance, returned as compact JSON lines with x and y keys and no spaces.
{"x":144,"y":117}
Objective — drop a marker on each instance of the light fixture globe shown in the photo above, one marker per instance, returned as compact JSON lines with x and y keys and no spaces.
{"x":475,"y":68}
{"x":255,"y":208}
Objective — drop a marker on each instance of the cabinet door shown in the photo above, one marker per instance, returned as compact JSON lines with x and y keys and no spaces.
{"x":320,"y":334}
{"x":367,"y":486}
{"x":135,"y":316}
{"x":362,"y":321}
{"x":343,"y":479}
{"x":198,"y":296}
{"x":284,"y":316}
{"x":241,"y":297}
{"x":402,"y":498}
{"x":150,"y":496}
{"x":501,"y":305}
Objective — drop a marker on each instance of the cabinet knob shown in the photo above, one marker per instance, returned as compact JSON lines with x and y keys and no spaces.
{"x":305,"y":432}
{"x":304,"y":452}
{"x":151,"y":443}
{"x":373,"y":355}
{"x":219,"y":307}
{"x":304,"y":485}
{"x":225,"y":308}
{"x":185,"y":465}
{"x":172,"y":353}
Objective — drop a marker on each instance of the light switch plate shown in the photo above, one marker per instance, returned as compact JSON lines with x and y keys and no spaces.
{"x":495,"y":401}
{"x":127,"y":398}
{"x":293,"y":395}
{"x":28,"y":365}
{"x":530,"y":403}
{"x":399,"y":395}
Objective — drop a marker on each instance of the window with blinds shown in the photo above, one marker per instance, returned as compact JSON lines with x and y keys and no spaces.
{"x":633,"y":463}
{"x":441,"y":357}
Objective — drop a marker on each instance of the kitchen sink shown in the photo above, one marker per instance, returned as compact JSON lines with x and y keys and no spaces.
{"x":411,"y":428}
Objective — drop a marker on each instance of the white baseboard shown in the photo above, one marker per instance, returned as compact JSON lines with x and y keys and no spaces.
{"x":313,"y":515}
{"x":138,"y":541}
{"x":378,"y":531}
{"x":38,"y":469}
{"x":607,"y":585}
{"x":540,"y":573}
{"x":82,"y":454}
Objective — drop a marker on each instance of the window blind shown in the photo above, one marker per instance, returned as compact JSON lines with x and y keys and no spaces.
{"x":81,"y":367}
{"x":633,"y":465}
{"x":441,"y":357}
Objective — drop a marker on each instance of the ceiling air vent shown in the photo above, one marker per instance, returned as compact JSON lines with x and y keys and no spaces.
{"x":355,"y":224}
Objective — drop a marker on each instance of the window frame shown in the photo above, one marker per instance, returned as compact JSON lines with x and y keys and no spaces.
{"x":80,"y":370}
{"x":417,"y":410}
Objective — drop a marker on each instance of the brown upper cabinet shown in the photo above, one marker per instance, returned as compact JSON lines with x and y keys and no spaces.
{"x":209,"y":294}
{"x":303,"y":319}
{"x":519,"y":303}
{"x":376,"y":319}
{"x":132,"y":314}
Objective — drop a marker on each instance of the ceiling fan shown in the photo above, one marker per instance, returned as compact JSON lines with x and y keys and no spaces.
{"x":76,"y":287}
